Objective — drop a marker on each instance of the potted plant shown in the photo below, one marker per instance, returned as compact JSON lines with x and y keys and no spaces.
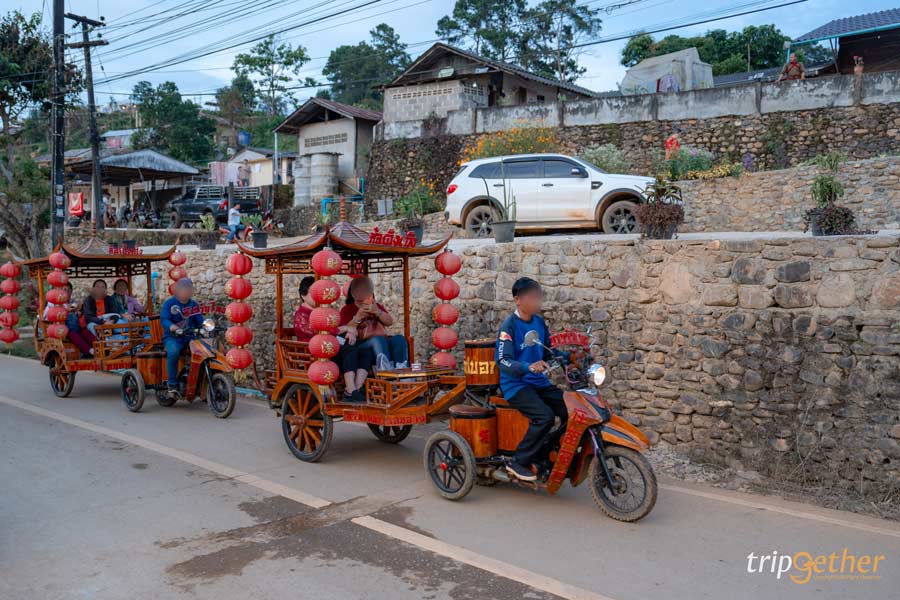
{"x":662,"y":210}
{"x":827,"y":218}
{"x":411,"y":208}
{"x":208,"y":232}
{"x":504,"y":228}
{"x":260,"y":237}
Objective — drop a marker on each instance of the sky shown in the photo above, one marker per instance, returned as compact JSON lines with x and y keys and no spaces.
{"x":130,"y":21}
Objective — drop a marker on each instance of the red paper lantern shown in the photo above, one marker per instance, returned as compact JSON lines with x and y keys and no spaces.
{"x":176,"y":273}
{"x":11,"y":319}
{"x":239,"y":335}
{"x":55,"y":314}
{"x":10,"y":286}
{"x":177,"y":258}
{"x":238,"y":288}
{"x":445,"y":314}
{"x":325,"y":291}
{"x":57,"y":278}
{"x":446,"y":289}
{"x":238,"y":312}
{"x":58,"y":331}
{"x":324,"y":319}
{"x":59,"y":260}
{"x":444,"y":338}
{"x":57,"y":296}
{"x":171,"y":289}
{"x":323,"y":372}
{"x":326,"y":263}
{"x":9,"y":336}
{"x":447,"y":263}
{"x":324,"y":346}
{"x":444,"y":360}
{"x":239,"y":264}
{"x":11,"y":270}
{"x":239,"y":358}
{"x":9,"y":302}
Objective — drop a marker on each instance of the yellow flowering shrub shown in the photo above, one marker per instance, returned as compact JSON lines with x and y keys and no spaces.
{"x":518,"y":140}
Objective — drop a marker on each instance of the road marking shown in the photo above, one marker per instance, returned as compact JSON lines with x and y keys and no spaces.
{"x":781,"y":509}
{"x":457,"y":553}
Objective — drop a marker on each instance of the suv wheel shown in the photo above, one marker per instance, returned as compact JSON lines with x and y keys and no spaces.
{"x":480,"y":220}
{"x":175,"y":220}
{"x":619,"y":217}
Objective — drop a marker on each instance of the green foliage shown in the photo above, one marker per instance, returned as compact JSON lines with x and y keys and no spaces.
{"x":25,"y":207}
{"x":607,"y":157}
{"x":830,"y":161}
{"x":236,"y":101}
{"x":826,"y":190}
{"x":172,"y":125}
{"x":687,"y":160}
{"x":271,"y":65}
{"x":487,"y":27}
{"x":208,"y":223}
{"x":356,"y":72}
{"x":421,"y":200}
{"x":663,"y":208}
{"x":254,"y":220}
{"x":518,"y":140}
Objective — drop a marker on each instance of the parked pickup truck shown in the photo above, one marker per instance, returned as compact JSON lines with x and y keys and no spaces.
{"x":211,"y":200}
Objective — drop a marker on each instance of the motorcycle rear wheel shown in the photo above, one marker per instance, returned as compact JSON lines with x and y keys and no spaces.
{"x":636,"y":487}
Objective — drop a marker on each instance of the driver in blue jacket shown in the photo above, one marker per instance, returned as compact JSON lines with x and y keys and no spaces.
{"x":177,"y":315}
{"x":523,"y":378}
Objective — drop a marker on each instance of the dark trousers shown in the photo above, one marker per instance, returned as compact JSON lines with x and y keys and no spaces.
{"x":540,"y":405}
{"x":354,"y":356}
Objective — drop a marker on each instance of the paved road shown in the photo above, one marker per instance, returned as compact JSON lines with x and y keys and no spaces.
{"x":96,"y":502}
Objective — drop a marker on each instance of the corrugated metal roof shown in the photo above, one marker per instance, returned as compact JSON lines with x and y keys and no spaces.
{"x":312,"y":107}
{"x":885,"y":19}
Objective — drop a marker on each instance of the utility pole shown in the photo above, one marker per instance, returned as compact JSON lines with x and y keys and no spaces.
{"x":97,"y":208}
{"x":57,"y":177}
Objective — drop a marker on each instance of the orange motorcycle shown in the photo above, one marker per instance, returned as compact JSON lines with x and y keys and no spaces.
{"x":594,"y":444}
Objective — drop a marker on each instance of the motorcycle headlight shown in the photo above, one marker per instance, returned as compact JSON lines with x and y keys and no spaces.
{"x":209,"y":325}
{"x":597,"y":374}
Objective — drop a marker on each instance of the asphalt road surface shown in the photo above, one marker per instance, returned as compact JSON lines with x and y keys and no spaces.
{"x":97,"y":502}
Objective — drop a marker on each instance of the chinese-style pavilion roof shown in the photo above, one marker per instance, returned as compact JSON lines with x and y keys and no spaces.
{"x":346,"y":238}
{"x":97,"y":252}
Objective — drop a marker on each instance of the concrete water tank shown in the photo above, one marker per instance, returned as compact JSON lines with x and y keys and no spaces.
{"x":302,"y":196}
{"x":323,"y":175}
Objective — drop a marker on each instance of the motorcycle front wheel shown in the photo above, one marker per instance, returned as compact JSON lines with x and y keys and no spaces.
{"x":220,"y":395}
{"x":634,"y":489}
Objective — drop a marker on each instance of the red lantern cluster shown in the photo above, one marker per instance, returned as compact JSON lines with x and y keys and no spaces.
{"x":445,"y":314}
{"x":59,"y":295}
{"x":238,"y":311}
{"x":324,"y":319}
{"x":9,"y":318}
{"x":177,"y":260}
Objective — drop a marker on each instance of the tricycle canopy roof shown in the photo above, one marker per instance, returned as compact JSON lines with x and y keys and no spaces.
{"x":96,"y":258}
{"x":362,"y":251}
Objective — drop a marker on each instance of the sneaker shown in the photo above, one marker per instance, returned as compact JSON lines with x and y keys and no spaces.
{"x":383,"y":363}
{"x":359,"y":396}
{"x":519,"y":472}
{"x":403,"y":365}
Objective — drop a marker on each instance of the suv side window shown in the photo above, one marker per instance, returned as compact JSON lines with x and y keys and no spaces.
{"x":522,"y":169}
{"x":487,"y":171}
{"x":558,"y":169}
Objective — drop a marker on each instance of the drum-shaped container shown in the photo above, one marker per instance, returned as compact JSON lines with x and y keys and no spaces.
{"x":478,"y":426}
{"x":479,"y":364}
{"x":151,"y":366}
{"x":511,"y":428}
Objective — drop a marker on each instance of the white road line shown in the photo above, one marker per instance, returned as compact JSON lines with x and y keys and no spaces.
{"x":782,"y":510}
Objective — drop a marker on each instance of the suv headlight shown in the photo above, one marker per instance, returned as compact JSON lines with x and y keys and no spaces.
{"x":597,"y":374}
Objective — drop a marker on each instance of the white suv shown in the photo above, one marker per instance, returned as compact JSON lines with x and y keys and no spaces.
{"x":550,"y":190}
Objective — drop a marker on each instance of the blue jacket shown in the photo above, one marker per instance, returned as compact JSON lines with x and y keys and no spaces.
{"x":513,"y":359}
{"x":174,"y":312}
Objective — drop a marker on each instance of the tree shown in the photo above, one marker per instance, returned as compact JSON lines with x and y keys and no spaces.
{"x":355,"y":71}
{"x":271,"y":64}
{"x":25,"y":208}
{"x":550,"y":32}
{"x":171,"y":124}
{"x":236,"y":101}
{"x":487,"y":27}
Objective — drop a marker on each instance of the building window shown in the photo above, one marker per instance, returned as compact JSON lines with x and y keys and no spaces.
{"x":541,"y":99}
{"x":325,"y":140}
{"x":418,"y":93}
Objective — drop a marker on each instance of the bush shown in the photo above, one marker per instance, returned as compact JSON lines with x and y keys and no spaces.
{"x":689,"y":159}
{"x":826,"y":190}
{"x":831,"y":220}
{"x":663,"y":209}
{"x":421,"y":200}
{"x":519,"y":140}
{"x":607,"y":157}
{"x":723,"y":170}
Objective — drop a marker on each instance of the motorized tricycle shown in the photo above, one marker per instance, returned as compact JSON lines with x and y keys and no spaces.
{"x":594,"y":445}
{"x":203,"y":373}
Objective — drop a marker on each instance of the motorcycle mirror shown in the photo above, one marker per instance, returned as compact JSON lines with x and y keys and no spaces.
{"x":531,"y":338}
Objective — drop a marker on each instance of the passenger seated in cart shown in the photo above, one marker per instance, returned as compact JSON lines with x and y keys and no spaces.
{"x":354,"y":361}
{"x":126,"y":304}
{"x":99,"y":307}
{"x":523,"y":376}
{"x":82,"y":338}
{"x":178,"y":315}
{"x":370,"y":318}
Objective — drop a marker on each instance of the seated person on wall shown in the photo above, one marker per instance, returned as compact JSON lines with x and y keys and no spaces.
{"x":523,"y":376}
{"x":176,"y":326}
{"x":353,"y":360}
{"x":370,"y":318}
{"x":126,"y":304}
{"x":82,"y":338}
{"x":99,"y":307}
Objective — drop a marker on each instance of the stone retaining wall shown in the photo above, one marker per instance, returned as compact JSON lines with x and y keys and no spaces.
{"x":783,"y":354}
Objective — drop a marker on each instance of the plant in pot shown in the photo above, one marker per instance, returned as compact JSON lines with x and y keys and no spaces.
{"x":411,"y":208}
{"x":502,"y":223}
{"x":260,"y":237}
{"x":827,"y":218}
{"x":206,"y":240}
{"x":662,"y":210}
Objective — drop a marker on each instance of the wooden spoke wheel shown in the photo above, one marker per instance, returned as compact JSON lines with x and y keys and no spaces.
{"x":391,"y":434}
{"x":450,"y":464}
{"x":307,"y":429}
{"x":61,"y":380}
{"x":220,"y":394}
{"x":133,"y":391}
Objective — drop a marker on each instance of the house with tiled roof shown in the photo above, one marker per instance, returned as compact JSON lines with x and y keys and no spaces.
{"x":872,"y":38}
